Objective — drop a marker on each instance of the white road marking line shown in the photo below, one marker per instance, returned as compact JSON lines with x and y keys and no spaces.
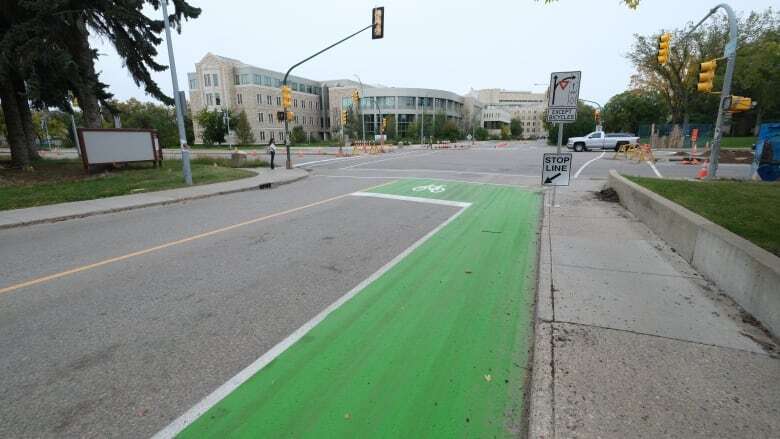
{"x":371,"y":177}
{"x":446,"y":172}
{"x":326,"y":160}
{"x":387,"y":159}
{"x":412,"y":199}
{"x":654,"y":169}
{"x":587,"y":163}
{"x":233,"y":383}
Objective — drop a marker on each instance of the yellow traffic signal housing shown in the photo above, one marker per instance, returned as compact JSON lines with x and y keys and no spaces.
{"x":290,"y":116}
{"x":706,"y":75}
{"x":286,"y":96}
{"x":663,"y":48}
{"x":384,"y":124}
{"x":343,"y":117}
{"x":355,"y":98}
{"x":738,"y":104}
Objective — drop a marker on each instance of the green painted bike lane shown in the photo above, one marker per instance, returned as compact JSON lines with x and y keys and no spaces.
{"x":435,"y":347}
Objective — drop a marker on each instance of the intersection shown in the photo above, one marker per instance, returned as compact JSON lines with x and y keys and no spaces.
{"x":125,"y":324}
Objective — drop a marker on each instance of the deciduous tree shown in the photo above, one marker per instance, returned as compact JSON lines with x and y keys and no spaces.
{"x":244,"y":130}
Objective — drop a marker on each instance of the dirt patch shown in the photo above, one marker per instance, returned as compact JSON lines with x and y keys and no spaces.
{"x":763,"y":338}
{"x":738,"y":156}
{"x":608,"y":194}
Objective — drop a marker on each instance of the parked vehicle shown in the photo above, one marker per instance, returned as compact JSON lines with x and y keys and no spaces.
{"x":601,"y":140}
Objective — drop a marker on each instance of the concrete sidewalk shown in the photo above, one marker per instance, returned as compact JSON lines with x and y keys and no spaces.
{"x":265,"y":178}
{"x":632,"y":342}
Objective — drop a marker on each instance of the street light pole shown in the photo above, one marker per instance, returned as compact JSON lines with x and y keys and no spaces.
{"x":226,"y":118}
{"x":185,"y":150}
{"x":362,"y":118}
{"x":601,"y":109}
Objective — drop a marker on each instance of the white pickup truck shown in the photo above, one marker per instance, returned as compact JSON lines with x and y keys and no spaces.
{"x":601,"y":140}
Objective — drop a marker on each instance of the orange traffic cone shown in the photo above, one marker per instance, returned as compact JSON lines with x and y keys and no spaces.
{"x":703,"y":173}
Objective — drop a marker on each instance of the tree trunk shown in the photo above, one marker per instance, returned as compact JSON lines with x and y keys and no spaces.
{"x":14,"y":127}
{"x":26,"y":117}
{"x":85,"y":90}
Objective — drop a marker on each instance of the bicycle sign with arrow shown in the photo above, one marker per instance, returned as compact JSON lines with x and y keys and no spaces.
{"x":556,"y":169}
{"x":564,"y":93}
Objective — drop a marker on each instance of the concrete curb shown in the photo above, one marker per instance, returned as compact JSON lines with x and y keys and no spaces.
{"x":81,"y":209}
{"x":539,"y":392}
{"x":747,"y":273}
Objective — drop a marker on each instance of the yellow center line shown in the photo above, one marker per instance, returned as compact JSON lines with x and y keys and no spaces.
{"x":54,"y":276}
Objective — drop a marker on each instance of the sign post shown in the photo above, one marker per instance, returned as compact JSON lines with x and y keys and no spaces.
{"x":564,"y":95}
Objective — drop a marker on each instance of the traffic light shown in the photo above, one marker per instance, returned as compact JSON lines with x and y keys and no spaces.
{"x":290,"y":116}
{"x":706,"y":75}
{"x":597,"y":116}
{"x":286,"y":96}
{"x":378,"y":23}
{"x":738,"y":104}
{"x":355,"y":98}
{"x":663,"y":48}
{"x":343,"y":117}
{"x":383,"y":125}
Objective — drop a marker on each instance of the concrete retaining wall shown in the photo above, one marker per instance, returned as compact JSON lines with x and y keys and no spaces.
{"x":748,"y":273}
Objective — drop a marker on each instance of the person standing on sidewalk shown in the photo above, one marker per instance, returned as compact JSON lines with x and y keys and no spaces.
{"x":272,"y":151}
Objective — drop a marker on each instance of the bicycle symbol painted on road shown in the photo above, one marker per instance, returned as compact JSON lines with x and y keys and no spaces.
{"x":432,"y":188}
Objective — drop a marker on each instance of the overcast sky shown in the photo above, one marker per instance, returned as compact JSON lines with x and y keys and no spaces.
{"x":453,"y":45}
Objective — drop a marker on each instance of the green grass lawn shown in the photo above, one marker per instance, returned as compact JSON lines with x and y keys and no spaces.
{"x":726,"y":142}
{"x":265,"y":145}
{"x":749,"y":209}
{"x":738,"y":142}
{"x":59,"y":181}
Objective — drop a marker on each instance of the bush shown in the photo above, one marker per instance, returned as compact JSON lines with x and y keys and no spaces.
{"x":481,"y":134}
{"x":297,"y":135}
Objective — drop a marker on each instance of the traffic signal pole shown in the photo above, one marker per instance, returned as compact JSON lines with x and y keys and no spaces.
{"x":730,"y":53}
{"x":284,"y":83}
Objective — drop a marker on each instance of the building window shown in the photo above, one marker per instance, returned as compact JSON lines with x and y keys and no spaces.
{"x":258,"y":80}
{"x":270,"y":118}
{"x":207,"y":80}
{"x":239,"y":99}
{"x":235,"y":79}
{"x":295,"y":103}
{"x":214,"y":80}
{"x":262,"y":136}
{"x":216,"y":99}
{"x":193,"y":84}
{"x":260,"y":117}
{"x":279,"y":101}
{"x":259,"y":98}
{"x":268,"y":99}
{"x":209,"y":99}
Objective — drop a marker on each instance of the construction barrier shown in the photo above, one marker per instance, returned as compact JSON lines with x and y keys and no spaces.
{"x":636,"y":152}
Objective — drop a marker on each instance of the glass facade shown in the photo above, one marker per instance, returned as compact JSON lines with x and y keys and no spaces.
{"x":407,"y":103}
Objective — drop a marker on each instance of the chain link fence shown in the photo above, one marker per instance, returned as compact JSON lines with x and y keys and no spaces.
{"x":676,"y":135}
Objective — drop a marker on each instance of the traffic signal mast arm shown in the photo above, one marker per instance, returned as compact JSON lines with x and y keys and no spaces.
{"x":375,"y":35}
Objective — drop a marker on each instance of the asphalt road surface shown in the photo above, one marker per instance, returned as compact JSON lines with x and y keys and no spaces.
{"x":116,"y":325}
